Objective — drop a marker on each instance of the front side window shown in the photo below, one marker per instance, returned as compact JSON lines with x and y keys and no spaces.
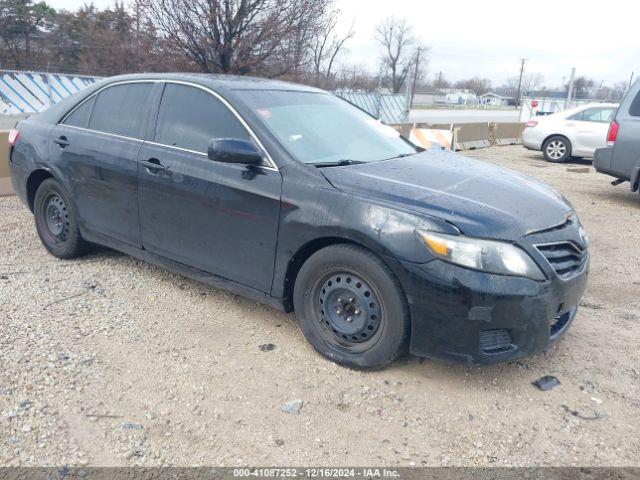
{"x":80,"y":116}
{"x":319,"y":128}
{"x":121,"y":109}
{"x":190,"y":118}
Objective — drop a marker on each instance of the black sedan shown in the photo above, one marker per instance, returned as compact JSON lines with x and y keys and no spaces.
{"x":295,"y":198}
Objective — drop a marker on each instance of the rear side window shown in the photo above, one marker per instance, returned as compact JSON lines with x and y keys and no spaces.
{"x":80,"y":116}
{"x":121,"y":109}
{"x":600,"y":115}
{"x":634,"y":111}
{"x":190,"y":118}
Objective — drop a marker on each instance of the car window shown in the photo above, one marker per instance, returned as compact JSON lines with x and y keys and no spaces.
{"x":600,"y":115}
{"x":577,"y":116}
{"x":190,"y":118}
{"x":121,"y":109}
{"x":634,"y":111}
{"x":80,"y":116}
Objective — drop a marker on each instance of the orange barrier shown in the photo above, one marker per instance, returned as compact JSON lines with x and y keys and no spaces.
{"x":427,"y":138}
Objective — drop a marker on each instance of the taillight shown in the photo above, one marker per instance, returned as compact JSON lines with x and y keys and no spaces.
{"x":613,"y":133}
{"x":531,"y":123}
{"x":14,"y":135}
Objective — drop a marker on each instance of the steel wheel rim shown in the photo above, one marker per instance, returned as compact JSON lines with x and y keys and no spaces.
{"x":349,"y":311}
{"x":556,"y":149}
{"x":56,"y":218}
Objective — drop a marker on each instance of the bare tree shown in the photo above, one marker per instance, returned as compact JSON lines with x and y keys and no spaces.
{"x":399,"y":42}
{"x":355,"y":77}
{"x":530,"y":82}
{"x":326,"y":46}
{"x":475,"y":84}
{"x":266,"y":37}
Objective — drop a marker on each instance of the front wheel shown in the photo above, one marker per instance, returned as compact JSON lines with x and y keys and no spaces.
{"x":557,"y":149}
{"x":351,"y":307}
{"x":56,"y":221}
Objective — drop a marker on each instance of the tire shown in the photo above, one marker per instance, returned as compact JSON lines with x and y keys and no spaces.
{"x":56,"y":221}
{"x":351,"y":307}
{"x":557,"y":149}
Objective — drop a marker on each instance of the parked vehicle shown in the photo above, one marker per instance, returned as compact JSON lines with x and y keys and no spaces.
{"x":291,"y":196}
{"x":577,"y":132}
{"x":621,"y":157}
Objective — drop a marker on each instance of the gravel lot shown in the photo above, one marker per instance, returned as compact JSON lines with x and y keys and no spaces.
{"x":107,"y":360}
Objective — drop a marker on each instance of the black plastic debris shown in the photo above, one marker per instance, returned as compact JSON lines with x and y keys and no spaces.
{"x":267,"y":347}
{"x":547,"y":382}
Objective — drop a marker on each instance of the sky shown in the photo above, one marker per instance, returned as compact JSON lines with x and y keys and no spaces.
{"x":488,"y":39}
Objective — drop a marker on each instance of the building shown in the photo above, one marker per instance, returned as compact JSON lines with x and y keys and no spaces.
{"x":491,"y":99}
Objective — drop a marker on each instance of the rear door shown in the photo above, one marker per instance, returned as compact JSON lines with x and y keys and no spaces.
{"x":589,"y":129}
{"x":96,"y":149}
{"x":217,"y":217}
{"x":626,"y":150}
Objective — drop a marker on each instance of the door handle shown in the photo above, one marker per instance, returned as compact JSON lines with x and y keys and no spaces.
{"x":154,"y":166}
{"x":62,"y":141}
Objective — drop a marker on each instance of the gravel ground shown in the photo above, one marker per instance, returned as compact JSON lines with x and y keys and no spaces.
{"x":107,"y":360}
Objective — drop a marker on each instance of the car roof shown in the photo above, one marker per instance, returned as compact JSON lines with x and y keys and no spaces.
{"x":232,"y":82}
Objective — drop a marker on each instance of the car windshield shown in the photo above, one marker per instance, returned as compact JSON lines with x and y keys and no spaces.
{"x":322,"y":129}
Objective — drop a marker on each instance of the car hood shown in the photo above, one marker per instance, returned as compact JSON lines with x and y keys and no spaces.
{"x":481,"y":199}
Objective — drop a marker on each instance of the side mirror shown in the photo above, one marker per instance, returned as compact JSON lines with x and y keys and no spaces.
{"x":229,"y":150}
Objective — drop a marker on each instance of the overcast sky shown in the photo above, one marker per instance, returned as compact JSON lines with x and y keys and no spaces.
{"x":488,"y":38}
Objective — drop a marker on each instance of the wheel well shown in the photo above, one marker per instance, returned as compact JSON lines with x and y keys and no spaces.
{"x":557,"y":135}
{"x":300,"y":257}
{"x":33,"y":182}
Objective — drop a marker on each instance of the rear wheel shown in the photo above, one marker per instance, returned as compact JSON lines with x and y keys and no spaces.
{"x":557,"y":149}
{"x":56,"y":221}
{"x":351,"y":307}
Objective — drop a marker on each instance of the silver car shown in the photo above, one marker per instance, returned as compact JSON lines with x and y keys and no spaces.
{"x":577,"y":132}
{"x":621,"y":157}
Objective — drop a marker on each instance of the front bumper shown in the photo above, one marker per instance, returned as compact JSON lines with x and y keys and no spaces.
{"x":479,"y":318}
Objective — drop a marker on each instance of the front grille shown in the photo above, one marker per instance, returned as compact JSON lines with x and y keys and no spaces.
{"x":566,"y":258}
{"x":495,"y":341}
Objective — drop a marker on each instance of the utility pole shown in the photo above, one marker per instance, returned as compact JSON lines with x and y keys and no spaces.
{"x":138,"y":49}
{"x":524,"y":60}
{"x":570,"y":92}
{"x":631,"y":79}
{"x":415,"y":78}
{"x":440,"y":79}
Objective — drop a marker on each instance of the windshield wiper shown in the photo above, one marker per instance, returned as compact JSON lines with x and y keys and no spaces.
{"x":402,"y":155}
{"x":339,"y":163}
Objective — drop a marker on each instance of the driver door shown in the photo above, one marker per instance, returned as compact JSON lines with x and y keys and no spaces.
{"x":208,"y":215}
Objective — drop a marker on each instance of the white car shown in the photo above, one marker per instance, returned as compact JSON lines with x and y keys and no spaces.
{"x":577,"y":132}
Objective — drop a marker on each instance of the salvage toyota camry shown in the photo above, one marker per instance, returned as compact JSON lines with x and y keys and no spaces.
{"x":295,"y":198}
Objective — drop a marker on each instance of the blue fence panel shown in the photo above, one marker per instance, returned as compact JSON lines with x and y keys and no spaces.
{"x":31,"y":92}
{"x":390,"y":108}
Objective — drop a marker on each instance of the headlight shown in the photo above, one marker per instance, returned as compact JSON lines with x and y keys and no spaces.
{"x":488,"y":256}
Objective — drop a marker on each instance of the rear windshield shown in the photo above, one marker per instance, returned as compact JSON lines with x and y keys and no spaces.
{"x":322,"y":128}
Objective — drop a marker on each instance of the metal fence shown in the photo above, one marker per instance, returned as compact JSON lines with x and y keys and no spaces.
{"x":532,"y":107}
{"x":390,"y":108}
{"x":30,"y":92}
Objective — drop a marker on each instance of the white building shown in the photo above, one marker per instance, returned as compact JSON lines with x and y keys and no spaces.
{"x":494,"y":100}
{"x":462,"y":98}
